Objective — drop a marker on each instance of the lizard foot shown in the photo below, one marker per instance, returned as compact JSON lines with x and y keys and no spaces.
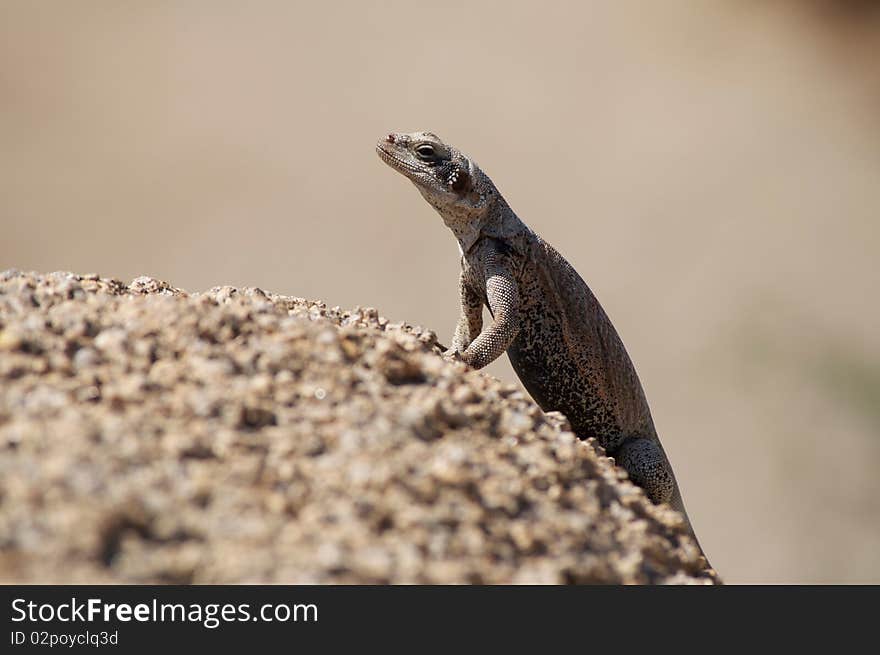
{"x":452,"y":355}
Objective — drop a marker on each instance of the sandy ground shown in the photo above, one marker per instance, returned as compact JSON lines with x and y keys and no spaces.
{"x":148,"y":435}
{"x":712,"y":169}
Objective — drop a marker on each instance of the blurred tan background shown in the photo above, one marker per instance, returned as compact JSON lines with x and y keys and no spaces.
{"x":712,"y":169}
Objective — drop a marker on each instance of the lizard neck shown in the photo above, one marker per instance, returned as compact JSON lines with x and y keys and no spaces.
{"x":496,"y":219}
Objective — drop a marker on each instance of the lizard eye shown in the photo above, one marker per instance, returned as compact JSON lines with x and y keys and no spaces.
{"x":426,"y":152}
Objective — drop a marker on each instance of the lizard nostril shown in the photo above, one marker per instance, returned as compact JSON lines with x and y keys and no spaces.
{"x":390,"y":138}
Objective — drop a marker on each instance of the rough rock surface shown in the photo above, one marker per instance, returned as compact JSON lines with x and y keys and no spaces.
{"x":150,"y":435}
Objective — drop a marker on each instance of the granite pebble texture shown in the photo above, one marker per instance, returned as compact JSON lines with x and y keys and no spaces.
{"x":150,"y":435}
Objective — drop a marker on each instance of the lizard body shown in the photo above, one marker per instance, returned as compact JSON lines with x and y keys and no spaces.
{"x":559,"y":340}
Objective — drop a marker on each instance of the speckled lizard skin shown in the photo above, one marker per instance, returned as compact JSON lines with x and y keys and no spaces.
{"x":561,"y":343}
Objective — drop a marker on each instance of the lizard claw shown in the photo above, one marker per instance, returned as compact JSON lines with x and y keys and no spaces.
{"x":452,"y":355}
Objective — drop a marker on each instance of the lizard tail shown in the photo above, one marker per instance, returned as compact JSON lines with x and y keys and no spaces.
{"x":678,"y":504}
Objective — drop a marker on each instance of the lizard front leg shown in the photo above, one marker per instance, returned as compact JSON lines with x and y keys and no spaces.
{"x":470,"y":322}
{"x":502,"y":294}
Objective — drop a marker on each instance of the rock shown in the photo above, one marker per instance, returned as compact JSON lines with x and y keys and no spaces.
{"x":148,"y":435}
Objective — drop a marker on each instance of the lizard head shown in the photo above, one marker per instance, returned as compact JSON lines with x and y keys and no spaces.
{"x":453,"y":184}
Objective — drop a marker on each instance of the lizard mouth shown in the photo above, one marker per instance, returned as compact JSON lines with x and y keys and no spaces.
{"x":396,"y":162}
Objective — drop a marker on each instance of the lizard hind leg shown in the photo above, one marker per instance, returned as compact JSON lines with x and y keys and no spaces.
{"x":645,"y":462}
